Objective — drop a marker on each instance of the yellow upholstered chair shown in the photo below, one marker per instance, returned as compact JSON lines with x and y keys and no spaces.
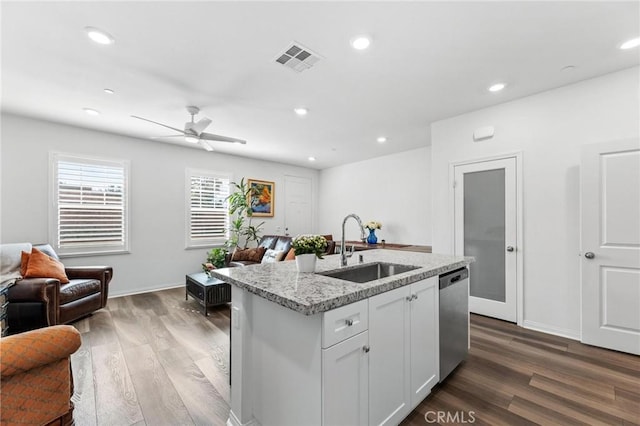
{"x":36,"y":384}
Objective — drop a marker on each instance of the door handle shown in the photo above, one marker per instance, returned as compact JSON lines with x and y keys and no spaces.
{"x":366,"y":349}
{"x":510,"y":248}
{"x":589,"y":255}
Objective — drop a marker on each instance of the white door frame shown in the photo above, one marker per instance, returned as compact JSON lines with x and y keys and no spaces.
{"x":519,"y":219}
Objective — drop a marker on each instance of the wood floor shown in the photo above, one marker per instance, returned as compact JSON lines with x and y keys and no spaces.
{"x":154,"y":359}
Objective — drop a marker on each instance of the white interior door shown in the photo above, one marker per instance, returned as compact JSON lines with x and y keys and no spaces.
{"x":610,"y":233}
{"x":298,"y":213}
{"x":485,"y":217}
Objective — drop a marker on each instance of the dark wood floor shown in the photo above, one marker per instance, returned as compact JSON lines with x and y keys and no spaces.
{"x":154,"y":359}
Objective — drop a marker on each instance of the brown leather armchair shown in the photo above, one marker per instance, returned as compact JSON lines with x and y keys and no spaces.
{"x":41,"y":302}
{"x":36,"y":384}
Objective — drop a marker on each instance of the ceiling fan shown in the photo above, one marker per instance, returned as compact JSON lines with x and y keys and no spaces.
{"x":193,"y":131}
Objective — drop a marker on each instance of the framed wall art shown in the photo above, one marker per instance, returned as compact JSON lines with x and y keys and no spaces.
{"x":261,"y":197}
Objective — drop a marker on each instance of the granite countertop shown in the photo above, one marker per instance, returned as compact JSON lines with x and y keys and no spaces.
{"x":311,"y":293}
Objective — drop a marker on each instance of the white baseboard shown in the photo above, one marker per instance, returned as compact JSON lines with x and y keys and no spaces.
{"x":549,"y":329}
{"x":146,"y":290}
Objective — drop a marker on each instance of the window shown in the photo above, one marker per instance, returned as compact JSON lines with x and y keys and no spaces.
{"x":207,"y":208}
{"x":90,"y":205}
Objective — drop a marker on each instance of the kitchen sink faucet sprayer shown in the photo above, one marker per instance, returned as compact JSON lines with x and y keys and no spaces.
{"x":343,"y":252}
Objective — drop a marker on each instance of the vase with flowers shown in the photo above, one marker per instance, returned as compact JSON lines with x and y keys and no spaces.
{"x":371,"y":226}
{"x":307,"y":249}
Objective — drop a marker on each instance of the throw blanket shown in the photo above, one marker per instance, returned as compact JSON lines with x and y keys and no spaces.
{"x":10,"y":258}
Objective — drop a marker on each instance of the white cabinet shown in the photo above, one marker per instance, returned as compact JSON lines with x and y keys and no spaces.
{"x":389,"y":334}
{"x":425,"y":341}
{"x":345,"y":382}
{"x":403,"y":363}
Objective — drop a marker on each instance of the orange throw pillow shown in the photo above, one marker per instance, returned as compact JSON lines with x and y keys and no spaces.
{"x":42,"y":266}
{"x":24,"y":260}
{"x":291,"y":255}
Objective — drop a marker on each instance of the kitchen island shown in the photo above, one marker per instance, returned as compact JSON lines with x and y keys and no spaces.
{"x":310,"y":349}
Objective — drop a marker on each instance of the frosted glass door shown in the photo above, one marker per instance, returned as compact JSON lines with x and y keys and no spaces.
{"x":484,"y":237}
{"x":485,"y":228}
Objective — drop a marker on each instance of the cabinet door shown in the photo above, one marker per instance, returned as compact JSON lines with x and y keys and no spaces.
{"x":345,"y":382}
{"x":424,"y":339}
{"x":389,"y":336}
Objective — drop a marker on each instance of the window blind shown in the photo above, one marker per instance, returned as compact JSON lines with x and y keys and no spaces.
{"x":91,"y":205}
{"x":208,"y":208}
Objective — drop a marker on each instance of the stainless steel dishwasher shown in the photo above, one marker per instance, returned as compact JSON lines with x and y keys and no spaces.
{"x":454,"y":320}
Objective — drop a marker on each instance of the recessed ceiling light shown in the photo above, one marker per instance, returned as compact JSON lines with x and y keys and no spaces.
{"x":312,"y":158}
{"x":630,"y":44}
{"x":91,"y":111}
{"x":381,"y":139}
{"x":497,"y":87}
{"x":301,"y":111}
{"x":568,"y":68}
{"x":360,"y":42}
{"x":109,"y":91}
{"x":99,"y":36}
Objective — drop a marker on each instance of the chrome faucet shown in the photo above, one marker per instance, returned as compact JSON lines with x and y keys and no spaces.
{"x":343,"y":252}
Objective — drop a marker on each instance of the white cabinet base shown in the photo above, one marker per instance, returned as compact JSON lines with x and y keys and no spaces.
{"x":378,"y":361}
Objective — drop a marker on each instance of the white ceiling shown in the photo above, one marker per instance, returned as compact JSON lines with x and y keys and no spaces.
{"x":428,"y":61}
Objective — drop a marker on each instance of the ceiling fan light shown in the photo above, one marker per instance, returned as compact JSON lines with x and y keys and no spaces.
{"x":191,"y":139}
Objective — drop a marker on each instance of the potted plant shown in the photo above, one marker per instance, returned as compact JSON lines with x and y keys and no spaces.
{"x":215,"y":259}
{"x":307,"y":249}
{"x":239,"y":206}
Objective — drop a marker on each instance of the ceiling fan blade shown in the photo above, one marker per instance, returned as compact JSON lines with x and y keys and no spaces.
{"x":205,"y":145}
{"x":159,"y":124}
{"x":218,"y":138}
{"x":202,"y":124}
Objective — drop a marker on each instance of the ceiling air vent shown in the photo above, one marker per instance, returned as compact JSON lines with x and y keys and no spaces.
{"x":298,"y":57}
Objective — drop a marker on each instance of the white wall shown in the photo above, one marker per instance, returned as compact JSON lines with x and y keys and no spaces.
{"x":158,"y":258}
{"x":549,"y":128}
{"x":394,"y":189}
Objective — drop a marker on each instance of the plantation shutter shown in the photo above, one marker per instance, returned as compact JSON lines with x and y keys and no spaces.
{"x":91,"y":205}
{"x":208,"y":209}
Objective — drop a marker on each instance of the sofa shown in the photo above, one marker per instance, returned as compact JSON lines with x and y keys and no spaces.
{"x":278,"y":243}
{"x":36,"y":383}
{"x":40,"y":302}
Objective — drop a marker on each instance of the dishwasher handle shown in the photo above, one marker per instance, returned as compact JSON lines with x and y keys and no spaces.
{"x":453,"y":277}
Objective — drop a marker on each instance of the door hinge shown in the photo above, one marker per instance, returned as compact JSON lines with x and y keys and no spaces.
{"x":455,"y":183}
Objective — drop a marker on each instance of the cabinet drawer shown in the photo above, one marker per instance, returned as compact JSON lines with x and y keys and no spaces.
{"x":343,"y":322}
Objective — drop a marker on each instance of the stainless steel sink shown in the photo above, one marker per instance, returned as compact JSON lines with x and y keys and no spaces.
{"x":369,"y":272}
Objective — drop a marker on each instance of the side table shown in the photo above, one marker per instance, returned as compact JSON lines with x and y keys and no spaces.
{"x":207,"y":291}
